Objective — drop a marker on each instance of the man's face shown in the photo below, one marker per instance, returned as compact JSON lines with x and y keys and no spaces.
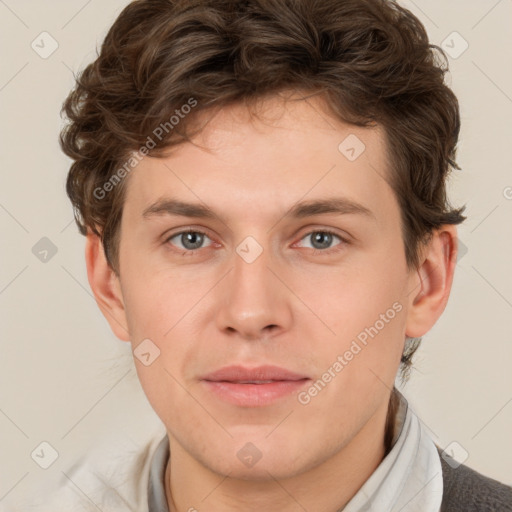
{"x":263,"y":286}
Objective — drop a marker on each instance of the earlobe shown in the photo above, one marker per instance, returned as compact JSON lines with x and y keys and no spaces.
{"x":429,"y":296}
{"x":105,"y":286}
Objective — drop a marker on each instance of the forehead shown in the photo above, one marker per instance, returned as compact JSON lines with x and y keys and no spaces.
{"x":259,"y":163}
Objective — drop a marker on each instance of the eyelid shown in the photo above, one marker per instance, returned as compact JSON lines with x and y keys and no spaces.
{"x":187,"y":229}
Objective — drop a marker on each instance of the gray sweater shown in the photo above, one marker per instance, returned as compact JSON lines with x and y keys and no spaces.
{"x":464,"y":489}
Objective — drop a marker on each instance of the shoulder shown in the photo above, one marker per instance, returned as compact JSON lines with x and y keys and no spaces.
{"x":466,"y":489}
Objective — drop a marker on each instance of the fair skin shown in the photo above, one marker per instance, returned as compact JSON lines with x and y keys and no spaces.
{"x":291,"y":307}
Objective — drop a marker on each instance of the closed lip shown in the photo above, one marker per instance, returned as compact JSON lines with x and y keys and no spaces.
{"x":242,"y":374}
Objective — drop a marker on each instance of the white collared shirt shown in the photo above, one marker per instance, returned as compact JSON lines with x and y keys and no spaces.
{"x":409,"y":478}
{"x":123,"y":475}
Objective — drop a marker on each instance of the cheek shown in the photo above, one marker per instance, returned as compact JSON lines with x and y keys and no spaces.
{"x":158,"y":312}
{"x":155,"y":301}
{"x":347,"y":300}
{"x":166,"y":311}
{"x":357,"y":362}
{"x":360,"y":317}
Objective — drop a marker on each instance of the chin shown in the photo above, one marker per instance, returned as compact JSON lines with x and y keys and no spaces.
{"x":260,"y":461}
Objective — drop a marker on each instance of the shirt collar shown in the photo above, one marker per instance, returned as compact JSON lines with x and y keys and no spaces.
{"x":409,"y":478}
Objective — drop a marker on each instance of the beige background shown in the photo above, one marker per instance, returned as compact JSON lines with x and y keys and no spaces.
{"x":65,"y":379}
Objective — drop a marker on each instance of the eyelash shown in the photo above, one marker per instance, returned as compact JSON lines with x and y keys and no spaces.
{"x":334,"y":249}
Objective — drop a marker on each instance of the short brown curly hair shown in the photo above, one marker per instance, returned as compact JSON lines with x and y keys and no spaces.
{"x":370,"y":59}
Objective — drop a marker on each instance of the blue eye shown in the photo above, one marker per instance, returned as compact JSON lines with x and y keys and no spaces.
{"x":190,"y":240}
{"x":323,"y":240}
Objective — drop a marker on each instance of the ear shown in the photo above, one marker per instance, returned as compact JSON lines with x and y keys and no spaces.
{"x":105,"y":286}
{"x":431,"y":283}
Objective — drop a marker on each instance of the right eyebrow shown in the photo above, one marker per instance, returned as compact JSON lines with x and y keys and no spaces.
{"x":337,"y":205}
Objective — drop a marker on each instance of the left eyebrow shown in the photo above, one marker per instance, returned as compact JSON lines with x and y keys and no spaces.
{"x":174,"y":207}
{"x":336,"y":205}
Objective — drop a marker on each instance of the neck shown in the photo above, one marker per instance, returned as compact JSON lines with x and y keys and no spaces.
{"x":327,"y":487}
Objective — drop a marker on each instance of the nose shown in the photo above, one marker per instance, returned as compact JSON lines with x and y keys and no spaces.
{"x":253,"y":302}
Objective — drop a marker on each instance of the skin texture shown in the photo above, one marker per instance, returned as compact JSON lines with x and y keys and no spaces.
{"x":291,"y":307}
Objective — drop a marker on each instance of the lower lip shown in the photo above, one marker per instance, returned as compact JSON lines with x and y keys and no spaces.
{"x":254,"y":395}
